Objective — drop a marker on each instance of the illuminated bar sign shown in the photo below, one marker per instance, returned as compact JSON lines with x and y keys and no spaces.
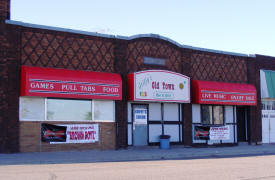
{"x":208,"y":92}
{"x":158,"y":86}
{"x":49,"y":82}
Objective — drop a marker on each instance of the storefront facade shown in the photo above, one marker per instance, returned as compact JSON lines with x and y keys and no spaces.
{"x":220,"y":113}
{"x":70,"y":109}
{"x":155,"y":106}
{"x":50,"y":79}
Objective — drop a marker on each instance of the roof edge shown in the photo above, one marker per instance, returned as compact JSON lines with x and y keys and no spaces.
{"x":157,"y":36}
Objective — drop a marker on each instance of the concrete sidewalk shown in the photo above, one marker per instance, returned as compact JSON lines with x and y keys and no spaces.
{"x":135,"y":154}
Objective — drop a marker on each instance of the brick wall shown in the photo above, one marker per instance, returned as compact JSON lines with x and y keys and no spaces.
{"x":9,"y":87}
{"x":218,"y":67}
{"x":156,"y":48}
{"x":53,"y":49}
{"x":29,"y":138}
{"x":4,"y":10}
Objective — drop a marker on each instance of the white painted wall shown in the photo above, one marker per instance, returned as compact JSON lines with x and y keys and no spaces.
{"x":129,"y":114}
{"x":154,"y":132}
{"x":171,"y":112}
{"x":173,"y":131}
{"x":154,"y":111}
{"x":229,"y":114}
{"x":196,"y":113}
{"x":129,"y":134}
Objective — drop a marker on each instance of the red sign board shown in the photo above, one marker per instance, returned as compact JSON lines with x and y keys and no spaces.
{"x":207,"y":92}
{"x":49,"y":82}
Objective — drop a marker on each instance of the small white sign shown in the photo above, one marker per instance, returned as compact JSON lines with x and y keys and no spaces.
{"x":160,"y":85}
{"x":140,"y":116}
{"x":219,"y":133}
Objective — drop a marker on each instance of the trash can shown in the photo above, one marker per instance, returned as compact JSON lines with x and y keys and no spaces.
{"x":164,"y":141}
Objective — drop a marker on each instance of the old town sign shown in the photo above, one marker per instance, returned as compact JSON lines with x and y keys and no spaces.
{"x":158,"y":86}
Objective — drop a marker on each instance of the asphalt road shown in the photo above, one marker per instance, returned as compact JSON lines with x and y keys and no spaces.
{"x":243,"y":168}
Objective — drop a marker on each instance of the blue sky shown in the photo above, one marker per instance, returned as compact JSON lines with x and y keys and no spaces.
{"x":241,"y":26}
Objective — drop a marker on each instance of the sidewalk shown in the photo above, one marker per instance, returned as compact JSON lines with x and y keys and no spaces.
{"x":135,"y":154}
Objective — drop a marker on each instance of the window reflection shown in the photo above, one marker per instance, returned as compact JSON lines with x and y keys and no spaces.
{"x":66,"y":109}
{"x":218,"y":114}
{"x":212,"y":114}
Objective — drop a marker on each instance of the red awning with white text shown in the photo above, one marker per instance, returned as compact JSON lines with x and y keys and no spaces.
{"x":210,"y":92}
{"x":63,"y":83}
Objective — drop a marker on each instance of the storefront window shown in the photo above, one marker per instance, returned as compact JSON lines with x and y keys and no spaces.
{"x":52,"y":109}
{"x":32,"y":108}
{"x":207,"y":115}
{"x":65,"y":109}
{"x":103,"y":110}
{"x":212,"y":114}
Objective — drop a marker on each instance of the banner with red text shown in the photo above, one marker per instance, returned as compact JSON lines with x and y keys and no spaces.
{"x":74,"y":133}
{"x":219,"y":133}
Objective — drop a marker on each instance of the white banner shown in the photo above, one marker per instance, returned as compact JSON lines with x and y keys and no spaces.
{"x":160,"y":85}
{"x":80,"y":133}
{"x":219,"y":133}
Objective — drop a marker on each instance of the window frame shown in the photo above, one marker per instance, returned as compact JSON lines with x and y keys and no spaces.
{"x":212,"y":108}
{"x":45,"y":99}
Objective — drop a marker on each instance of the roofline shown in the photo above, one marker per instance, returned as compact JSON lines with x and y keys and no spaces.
{"x":30,"y":25}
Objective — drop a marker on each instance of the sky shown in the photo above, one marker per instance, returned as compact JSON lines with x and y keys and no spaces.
{"x":240,"y":26}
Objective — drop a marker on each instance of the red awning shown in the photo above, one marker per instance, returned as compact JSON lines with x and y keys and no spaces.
{"x":209,"y":92}
{"x":50,"y":82}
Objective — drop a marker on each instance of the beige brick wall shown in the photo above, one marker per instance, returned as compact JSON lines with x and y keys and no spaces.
{"x":29,"y":139}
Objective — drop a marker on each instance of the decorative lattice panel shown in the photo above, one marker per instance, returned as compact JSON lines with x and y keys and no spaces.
{"x":64,"y":51}
{"x":141,"y":48}
{"x":218,"y":67}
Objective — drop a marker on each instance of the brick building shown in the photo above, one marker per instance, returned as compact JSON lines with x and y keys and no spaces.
{"x":42,"y":67}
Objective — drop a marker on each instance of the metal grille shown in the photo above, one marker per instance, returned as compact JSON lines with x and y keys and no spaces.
{"x":214,"y":67}
{"x":141,"y":48}
{"x":67,"y":51}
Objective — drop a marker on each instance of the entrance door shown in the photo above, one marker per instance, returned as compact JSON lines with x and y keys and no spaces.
{"x":268,"y":126}
{"x":241,"y":124}
{"x":140,"y":118}
{"x":272,"y":127}
{"x":265,"y":126}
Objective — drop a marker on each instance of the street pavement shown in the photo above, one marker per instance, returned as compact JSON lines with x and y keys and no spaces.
{"x":148,"y":153}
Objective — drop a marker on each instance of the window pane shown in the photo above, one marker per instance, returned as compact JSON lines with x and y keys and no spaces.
{"x":32,"y":108}
{"x":263,"y":106}
{"x":207,"y":114}
{"x":218,"y":114}
{"x":65,"y":109}
{"x":103,"y":110}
